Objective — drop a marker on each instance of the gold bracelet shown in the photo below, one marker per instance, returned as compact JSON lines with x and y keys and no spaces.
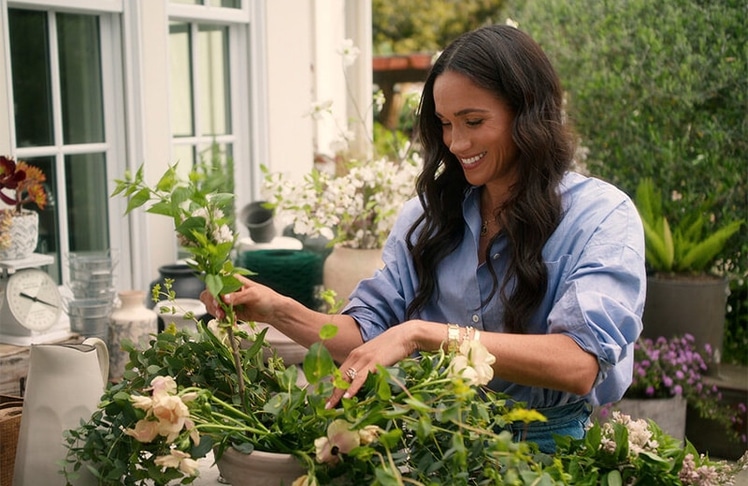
{"x":466,"y":337}
{"x":453,"y":335}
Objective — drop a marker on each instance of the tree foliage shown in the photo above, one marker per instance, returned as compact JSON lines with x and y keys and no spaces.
{"x":407,"y":26}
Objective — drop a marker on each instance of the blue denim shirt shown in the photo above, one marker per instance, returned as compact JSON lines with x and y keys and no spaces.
{"x":596,"y":285}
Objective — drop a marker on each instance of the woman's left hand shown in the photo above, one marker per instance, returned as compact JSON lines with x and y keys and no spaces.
{"x":388,"y":348}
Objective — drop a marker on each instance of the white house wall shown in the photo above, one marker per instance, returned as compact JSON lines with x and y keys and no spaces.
{"x":295,"y":62}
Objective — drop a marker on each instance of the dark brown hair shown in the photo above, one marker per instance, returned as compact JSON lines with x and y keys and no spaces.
{"x":506,"y":61}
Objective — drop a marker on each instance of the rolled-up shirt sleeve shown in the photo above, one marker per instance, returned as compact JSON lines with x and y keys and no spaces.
{"x":601,"y":300}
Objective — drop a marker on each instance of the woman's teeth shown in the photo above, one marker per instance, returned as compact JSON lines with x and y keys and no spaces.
{"x":473,"y":160}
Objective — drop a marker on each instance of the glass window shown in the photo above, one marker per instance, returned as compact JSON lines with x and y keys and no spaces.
{"x":56,"y":70}
{"x":80,"y":79}
{"x":212,"y":3}
{"x":87,"y":202}
{"x":182,"y":111}
{"x":32,"y":91}
{"x":214,"y":79}
{"x":200,"y":90}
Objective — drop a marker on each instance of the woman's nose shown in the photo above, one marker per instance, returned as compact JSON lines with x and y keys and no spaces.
{"x":459,"y":143}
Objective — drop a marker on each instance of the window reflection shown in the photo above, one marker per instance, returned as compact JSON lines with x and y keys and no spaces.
{"x":214,"y":79}
{"x":181,"y":80}
{"x":87,"y":199}
{"x":30,"y":68}
{"x":80,"y":79}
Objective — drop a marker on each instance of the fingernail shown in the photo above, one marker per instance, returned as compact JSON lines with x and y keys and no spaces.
{"x":328,"y":406}
{"x":346,"y":395}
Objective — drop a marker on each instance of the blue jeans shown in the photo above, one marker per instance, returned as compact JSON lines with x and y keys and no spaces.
{"x":570,"y":419}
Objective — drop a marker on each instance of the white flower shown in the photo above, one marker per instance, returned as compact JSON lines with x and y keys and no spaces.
{"x":473,"y":363}
{"x":348,"y":51}
{"x":512,"y":23}
{"x":319,"y":108}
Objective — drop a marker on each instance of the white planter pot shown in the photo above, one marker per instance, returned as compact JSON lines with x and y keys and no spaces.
{"x":259,"y":468}
{"x":22,"y":234}
{"x":345,"y":267}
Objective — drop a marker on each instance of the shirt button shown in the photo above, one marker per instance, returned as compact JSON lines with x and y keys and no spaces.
{"x":476,"y":318}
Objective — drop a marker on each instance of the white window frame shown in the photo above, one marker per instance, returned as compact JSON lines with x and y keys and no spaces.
{"x":114,"y":148}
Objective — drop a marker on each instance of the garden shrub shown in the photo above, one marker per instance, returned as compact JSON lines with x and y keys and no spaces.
{"x":659,"y":89}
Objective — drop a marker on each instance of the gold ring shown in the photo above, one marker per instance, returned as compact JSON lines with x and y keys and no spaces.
{"x":351,"y":373}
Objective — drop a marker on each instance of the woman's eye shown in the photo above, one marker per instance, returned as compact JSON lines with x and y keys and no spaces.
{"x":474,"y":123}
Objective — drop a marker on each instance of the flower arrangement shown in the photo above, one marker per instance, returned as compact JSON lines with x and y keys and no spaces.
{"x":426,"y":420}
{"x":20,"y":183}
{"x":349,"y":201}
{"x":673,"y":367}
{"x":25,"y":183}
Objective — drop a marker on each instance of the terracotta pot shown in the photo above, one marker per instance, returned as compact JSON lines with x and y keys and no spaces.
{"x":345,"y":267}
{"x":259,"y":468}
{"x":22,"y":235}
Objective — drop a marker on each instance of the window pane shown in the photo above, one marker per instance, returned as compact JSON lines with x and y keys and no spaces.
{"x":87,"y":198}
{"x":80,"y":78}
{"x":181,"y":80}
{"x":226,"y":3}
{"x":213,"y":3}
{"x":32,"y":95}
{"x":184,"y":155}
{"x":214,"y":101}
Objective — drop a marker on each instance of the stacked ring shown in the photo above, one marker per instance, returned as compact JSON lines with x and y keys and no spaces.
{"x":351,"y":373}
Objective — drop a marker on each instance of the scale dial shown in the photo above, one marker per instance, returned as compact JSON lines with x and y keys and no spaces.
{"x":32,"y":300}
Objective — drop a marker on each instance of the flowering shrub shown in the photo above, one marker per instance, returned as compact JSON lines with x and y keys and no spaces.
{"x":673,"y":367}
{"x":356,"y":208}
{"x":626,"y":451}
{"x":355,"y":202}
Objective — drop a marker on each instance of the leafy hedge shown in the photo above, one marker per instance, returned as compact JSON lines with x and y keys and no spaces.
{"x":660,"y":90}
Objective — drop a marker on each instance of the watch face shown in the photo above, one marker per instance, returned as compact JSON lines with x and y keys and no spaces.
{"x":33,"y":299}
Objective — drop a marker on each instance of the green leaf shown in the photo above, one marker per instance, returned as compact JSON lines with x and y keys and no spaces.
{"x":701,"y":254}
{"x":138,"y":199}
{"x":328,"y":331}
{"x":214,"y":283}
{"x":318,"y":363}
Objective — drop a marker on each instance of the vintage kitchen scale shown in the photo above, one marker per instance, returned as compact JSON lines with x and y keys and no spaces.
{"x":31,"y":306}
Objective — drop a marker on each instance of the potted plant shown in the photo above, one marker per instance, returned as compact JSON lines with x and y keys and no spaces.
{"x":685,"y":295}
{"x":20,"y":184}
{"x":425,"y":420}
{"x":669,"y":375}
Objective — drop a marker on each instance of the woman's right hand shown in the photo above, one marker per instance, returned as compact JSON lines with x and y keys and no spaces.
{"x":252,"y":302}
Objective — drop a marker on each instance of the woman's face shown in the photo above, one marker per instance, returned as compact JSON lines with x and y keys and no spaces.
{"x":477,"y":129}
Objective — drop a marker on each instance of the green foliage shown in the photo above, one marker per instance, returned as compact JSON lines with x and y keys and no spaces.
{"x":660,"y":90}
{"x":688,"y":248}
{"x":407,"y":26}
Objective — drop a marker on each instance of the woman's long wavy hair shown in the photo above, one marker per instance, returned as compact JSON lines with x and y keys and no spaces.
{"x":507,"y":62}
